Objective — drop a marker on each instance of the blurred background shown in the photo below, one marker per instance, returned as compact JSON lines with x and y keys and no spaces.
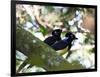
{"x":42,"y":20}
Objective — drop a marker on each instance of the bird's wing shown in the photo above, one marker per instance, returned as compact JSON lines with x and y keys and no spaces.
{"x":59,"y":45}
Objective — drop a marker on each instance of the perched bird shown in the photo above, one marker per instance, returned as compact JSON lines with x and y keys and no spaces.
{"x":54,"y":38}
{"x":65,"y":43}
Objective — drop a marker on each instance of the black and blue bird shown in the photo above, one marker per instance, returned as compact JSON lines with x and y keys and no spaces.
{"x":56,"y":36}
{"x":65,"y":43}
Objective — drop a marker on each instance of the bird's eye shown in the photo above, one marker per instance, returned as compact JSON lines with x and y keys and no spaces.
{"x":56,"y":32}
{"x":71,"y":36}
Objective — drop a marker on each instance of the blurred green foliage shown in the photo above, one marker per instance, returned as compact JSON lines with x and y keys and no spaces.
{"x":43,"y":30}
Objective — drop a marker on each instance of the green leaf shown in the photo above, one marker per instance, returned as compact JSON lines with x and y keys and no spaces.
{"x":43,"y":30}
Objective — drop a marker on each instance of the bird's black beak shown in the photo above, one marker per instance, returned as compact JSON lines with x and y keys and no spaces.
{"x":76,"y":38}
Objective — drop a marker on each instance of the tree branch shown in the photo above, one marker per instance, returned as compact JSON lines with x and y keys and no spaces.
{"x":40,"y":54}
